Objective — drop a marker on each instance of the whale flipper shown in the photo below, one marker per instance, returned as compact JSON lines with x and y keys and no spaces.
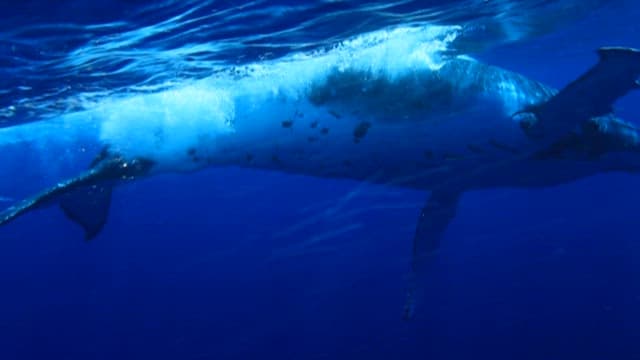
{"x":591,"y":95}
{"x":434,"y":219}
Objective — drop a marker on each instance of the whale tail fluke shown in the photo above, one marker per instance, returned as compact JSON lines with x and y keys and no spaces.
{"x":88,"y":207}
{"x":615,"y":55}
{"x":81,"y":198}
{"x":589,"y":96}
{"x":86,"y":198}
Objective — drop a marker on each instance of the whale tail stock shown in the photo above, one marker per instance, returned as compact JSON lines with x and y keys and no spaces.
{"x":86,"y":198}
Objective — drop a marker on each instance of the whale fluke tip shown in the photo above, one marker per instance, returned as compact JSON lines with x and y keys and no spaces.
{"x":619,"y":53}
{"x":624,"y":60}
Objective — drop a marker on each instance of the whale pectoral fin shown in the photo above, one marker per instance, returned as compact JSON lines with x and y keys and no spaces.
{"x":434,"y":219}
{"x":88,"y":207}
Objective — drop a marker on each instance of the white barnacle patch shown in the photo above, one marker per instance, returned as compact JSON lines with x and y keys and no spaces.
{"x":167,"y":126}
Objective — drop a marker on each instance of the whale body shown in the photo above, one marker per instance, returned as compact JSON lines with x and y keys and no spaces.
{"x":424,"y":120}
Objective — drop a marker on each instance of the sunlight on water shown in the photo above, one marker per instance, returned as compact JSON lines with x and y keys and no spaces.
{"x":61,"y":66}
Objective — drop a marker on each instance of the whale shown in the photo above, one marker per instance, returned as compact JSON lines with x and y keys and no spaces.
{"x":394,"y":113}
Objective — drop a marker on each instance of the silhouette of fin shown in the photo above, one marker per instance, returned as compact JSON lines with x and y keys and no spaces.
{"x":88,"y":207}
{"x":434,"y":218}
{"x":48,"y":196}
{"x":85,"y":199}
{"x":591,"y":95}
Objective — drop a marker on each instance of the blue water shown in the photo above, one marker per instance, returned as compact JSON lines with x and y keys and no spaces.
{"x":243,"y":264}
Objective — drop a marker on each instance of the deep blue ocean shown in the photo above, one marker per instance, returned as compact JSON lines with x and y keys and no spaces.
{"x":250,"y":264}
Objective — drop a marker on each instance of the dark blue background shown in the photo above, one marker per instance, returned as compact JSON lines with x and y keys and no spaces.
{"x":186,"y":268}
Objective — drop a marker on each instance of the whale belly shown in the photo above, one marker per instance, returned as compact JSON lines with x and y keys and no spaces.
{"x":414,"y":127}
{"x":417,"y":149}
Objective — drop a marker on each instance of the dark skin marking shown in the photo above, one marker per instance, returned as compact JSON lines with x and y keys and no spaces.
{"x":158,"y":134}
{"x":432,"y":167}
{"x":314,"y":124}
{"x":324,"y":131}
{"x":428,"y":154}
{"x":104,"y":154}
{"x":276,"y":159}
{"x":287,"y":124}
{"x":191,"y":152}
{"x":335,"y":114}
{"x":451,"y":156}
{"x":360,"y":131}
{"x":475,"y":149}
{"x":572,"y":144}
{"x":428,"y":91}
{"x":249,"y":157}
{"x":503,"y":147}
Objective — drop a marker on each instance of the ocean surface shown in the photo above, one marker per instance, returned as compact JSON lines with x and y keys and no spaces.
{"x":247,"y":264}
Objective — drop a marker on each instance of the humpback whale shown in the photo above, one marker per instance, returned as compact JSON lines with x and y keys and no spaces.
{"x":442,"y":123}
